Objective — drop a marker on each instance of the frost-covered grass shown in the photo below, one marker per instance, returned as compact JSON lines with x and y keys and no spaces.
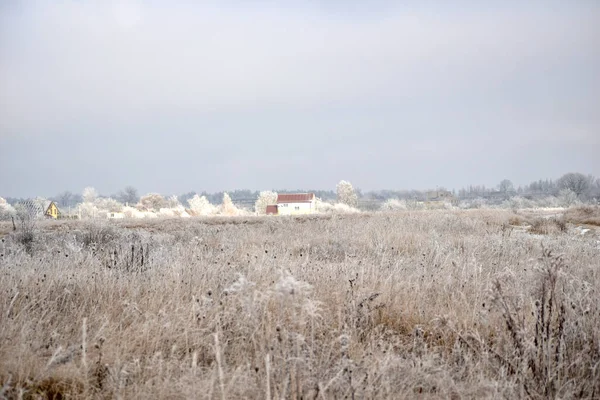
{"x":435,"y":304}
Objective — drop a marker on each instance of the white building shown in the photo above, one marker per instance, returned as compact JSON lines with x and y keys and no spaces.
{"x":296,"y":204}
{"x":115,"y":215}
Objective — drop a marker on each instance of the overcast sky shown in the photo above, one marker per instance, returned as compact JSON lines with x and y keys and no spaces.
{"x":271,"y":94}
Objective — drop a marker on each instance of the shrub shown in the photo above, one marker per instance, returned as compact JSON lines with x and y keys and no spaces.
{"x":152,"y":202}
{"x":337,"y":208}
{"x":394,"y":205}
{"x":567,"y":198}
{"x":545,"y":226}
{"x":517,"y":202}
{"x":264,"y":199}
{"x":542,"y":351}
{"x":201,"y":206}
{"x":96,"y":233}
{"x":105,"y":205}
{"x":586,"y":214}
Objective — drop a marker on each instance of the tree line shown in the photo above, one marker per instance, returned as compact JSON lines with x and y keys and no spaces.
{"x":584,"y":187}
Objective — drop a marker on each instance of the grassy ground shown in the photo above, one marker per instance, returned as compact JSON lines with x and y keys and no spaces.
{"x":431,"y":304}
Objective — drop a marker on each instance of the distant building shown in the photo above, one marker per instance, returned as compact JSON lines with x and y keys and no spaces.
{"x":296,"y":204}
{"x":115,"y":215}
{"x":440,"y":196}
{"x":272,"y":209}
{"x":39,"y":208}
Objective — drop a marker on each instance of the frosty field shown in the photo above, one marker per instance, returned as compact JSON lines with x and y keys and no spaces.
{"x":412,"y":304}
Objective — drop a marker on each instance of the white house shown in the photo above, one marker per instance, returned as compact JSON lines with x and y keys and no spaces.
{"x":296,"y":203}
{"x":115,"y":215}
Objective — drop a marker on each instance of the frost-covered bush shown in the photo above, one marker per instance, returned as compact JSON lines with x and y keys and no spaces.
{"x":201,"y":206}
{"x":173,"y":202}
{"x":227,"y":208}
{"x":568,"y":198}
{"x":173,"y":212}
{"x":518,"y":202}
{"x":415,"y":205}
{"x":97,"y":207}
{"x":152,"y":202}
{"x":337,"y":208}
{"x":166,"y":212}
{"x":394,"y":205}
{"x":433,"y":205}
{"x":108,"y":205}
{"x":89,"y":210}
{"x":265,"y":198}
{"x":548,"y":202}
{"x":6,"y":210}
{"x":184,"y":213}
{"x":446,"y":205}
{"x":473,"y":203}
{"x":131,"y":212}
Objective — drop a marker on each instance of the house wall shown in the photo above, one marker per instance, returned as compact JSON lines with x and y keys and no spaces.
{"x":115,"y":215}
{"x":296,"y":208}
{"x":52,"y":211}
{"x":271,"y":210}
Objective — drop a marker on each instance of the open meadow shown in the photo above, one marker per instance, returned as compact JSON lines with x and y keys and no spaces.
{"x":412,"y":304}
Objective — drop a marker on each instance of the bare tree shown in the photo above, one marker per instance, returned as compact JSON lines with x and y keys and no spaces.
{"x":65,"y":199}
{"x":129,"y":195}
{"x":506,"y":186}
{"x":576,"y":182}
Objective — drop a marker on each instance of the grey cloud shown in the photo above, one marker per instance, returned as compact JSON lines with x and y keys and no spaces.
{"x":217,"y":88}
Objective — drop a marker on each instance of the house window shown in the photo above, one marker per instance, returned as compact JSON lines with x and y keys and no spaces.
{"x":297,"y":207}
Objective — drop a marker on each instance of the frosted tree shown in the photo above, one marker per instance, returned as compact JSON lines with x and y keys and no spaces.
{"x":506,"y":187}
{"x":108,"y":205}
{"x":89,"y":195}
{"x":152,"y":202}
{"x":346,"y":194}
{"x":516,"y":203}
{"x":201,"y":206}
{"x":173,"y":202}
{"x":265,"y":198}
{"x":89,"y":210}
{"x":567,"y":198}
{"x":65,"y":198}
{"x":228,"y":208}
{"x":576,"y":182}
{"x":131,"y":212}
{"x":6,"y":210}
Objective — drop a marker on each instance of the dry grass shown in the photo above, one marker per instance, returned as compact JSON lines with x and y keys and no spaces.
{"x":547,"y":226}
{"x":428,"y":304}
{"x":588,"y":215}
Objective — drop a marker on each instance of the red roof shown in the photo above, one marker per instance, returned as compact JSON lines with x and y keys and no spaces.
{"x":295,"y":198}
